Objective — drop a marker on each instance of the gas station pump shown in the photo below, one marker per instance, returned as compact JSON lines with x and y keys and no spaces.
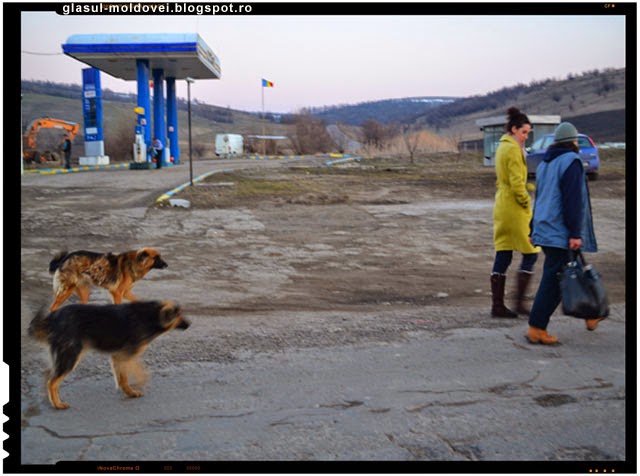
{"x":140,"y":159}
{"x":139,"y":146}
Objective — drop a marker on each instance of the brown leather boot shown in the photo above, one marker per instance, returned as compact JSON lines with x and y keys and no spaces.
{"x":498,"y":309}
{"x":540,"y":336}
{"x":593,"y":323}
{"x":521,"y":291}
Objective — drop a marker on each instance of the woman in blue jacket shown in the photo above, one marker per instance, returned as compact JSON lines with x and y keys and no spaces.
{"x":562,"y":221}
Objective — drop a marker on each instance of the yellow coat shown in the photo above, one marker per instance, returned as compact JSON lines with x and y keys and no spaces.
{"x":512,"y":210}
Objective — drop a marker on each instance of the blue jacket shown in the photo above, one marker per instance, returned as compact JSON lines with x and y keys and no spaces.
{"x":562,"y":207}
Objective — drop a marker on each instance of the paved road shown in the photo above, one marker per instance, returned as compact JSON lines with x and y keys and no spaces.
{"x":346,"y":143}
{"x":164,"y":179}
{"x":468,"y":397}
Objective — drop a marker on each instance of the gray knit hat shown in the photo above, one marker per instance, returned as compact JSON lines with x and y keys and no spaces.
{"x":565,"y":132}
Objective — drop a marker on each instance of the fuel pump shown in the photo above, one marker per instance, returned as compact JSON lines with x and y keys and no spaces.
{"x":139,"y":146}
{"x":140,"y":159}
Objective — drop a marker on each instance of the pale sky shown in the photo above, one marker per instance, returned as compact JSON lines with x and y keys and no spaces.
{"x":318,"y":60}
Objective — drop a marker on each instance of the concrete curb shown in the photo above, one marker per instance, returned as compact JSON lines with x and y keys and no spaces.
{"x":276,"y":157}
{"x":344,"y":159}
{"x":200,"y":178}
{"x":84,"y":168}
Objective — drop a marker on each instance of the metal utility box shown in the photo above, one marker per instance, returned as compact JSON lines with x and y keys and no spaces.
{"x":493,"y":129}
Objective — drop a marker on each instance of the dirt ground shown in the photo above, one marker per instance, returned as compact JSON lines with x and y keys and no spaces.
{"x":303,"y":237}
{"x":313,"y":291}
{"x":386,"y":232}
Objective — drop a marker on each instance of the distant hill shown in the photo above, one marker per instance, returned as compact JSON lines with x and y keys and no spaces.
{"x":385,"y":111}
{"x":594,"y":101}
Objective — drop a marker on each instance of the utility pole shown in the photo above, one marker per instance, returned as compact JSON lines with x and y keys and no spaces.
{"x":189,"y":80}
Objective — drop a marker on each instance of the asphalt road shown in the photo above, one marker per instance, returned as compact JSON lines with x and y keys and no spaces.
{"x":463,"y":400}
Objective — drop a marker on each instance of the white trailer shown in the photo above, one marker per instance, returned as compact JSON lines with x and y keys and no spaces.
{"x":228,"y":145}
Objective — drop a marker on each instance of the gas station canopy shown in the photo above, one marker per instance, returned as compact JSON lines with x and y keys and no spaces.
{"x":179,"y":55}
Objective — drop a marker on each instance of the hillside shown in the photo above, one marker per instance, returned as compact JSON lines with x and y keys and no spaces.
{"x":594,"y":101}
{"x":386,"y":111}
{"x":118,"y":115}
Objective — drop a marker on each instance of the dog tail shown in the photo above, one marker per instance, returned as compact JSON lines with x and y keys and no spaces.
{"x":57,"y":261}
{"x":39,"y":326}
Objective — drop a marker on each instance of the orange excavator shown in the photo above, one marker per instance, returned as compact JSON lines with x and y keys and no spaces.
{"x":30,"y":151}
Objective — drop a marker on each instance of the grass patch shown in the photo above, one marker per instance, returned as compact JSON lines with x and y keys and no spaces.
{"x":374,"y":180}
{"x":247,"y":187}
{"x":612,"y":161}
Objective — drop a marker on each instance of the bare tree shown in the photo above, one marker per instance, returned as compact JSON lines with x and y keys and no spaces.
{"x":411,"y":140}
{"x":455,"y":138}
{"x":372,"y":131}
{"x":377,"y":134}
{"x":311,"y":135}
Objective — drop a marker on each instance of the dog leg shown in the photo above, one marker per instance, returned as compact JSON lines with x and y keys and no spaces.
{"x":83,"y":293}
{"x":128,"y":294}
{"x":52,"y":388}
{"x":116,"y":296}
{"x":64,"y":361}
{"x":119,"y":365}
{"x":60,"y":298}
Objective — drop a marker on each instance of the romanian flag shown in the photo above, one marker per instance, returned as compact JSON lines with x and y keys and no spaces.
{"x":266,"y":84}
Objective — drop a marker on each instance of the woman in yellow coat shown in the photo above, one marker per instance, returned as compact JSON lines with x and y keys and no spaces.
{"x":512,"y":215}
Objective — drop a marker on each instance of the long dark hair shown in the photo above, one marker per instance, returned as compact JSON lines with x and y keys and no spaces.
{"x":516,"y":119}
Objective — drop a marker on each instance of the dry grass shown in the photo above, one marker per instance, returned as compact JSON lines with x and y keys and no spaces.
{"x":450,"y":175}
{"x":454,"y":173}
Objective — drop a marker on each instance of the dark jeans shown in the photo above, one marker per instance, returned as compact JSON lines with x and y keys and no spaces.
{"x":548,"y":296}
{"x":67,"y":160}
{"x":503,"y":260}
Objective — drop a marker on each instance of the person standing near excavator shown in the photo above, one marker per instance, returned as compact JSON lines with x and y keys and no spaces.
{"x":66,"y":148}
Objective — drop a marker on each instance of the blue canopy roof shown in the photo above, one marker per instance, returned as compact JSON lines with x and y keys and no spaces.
{"x":180,"y":55}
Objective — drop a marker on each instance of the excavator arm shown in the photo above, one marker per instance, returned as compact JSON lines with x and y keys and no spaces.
{"x":30,"y":151}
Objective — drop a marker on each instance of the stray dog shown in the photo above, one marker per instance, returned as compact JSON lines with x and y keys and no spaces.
{"x":122,"y":330}
{"x":117,"y":273}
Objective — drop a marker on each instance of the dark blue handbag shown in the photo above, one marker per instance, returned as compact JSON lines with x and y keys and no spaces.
{"x":583,"y":292}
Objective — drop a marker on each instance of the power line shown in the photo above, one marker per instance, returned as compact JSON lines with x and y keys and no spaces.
{"x":39,"y":54}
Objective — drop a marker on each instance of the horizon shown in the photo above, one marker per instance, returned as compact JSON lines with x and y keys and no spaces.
{"x":332,"y":106}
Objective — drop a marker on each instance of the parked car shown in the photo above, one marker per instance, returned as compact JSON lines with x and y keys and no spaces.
{"x":588,"y":154}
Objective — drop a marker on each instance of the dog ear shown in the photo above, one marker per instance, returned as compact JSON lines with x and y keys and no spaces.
{"x":142,"y":255}
{"x":169,"y":312}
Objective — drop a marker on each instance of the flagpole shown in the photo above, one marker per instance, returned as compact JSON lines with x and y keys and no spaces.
{"x":264,"y":145}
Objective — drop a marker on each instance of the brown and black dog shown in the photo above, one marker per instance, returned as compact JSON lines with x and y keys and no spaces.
{"x":122,"y":330}
{"x":117,"y":273}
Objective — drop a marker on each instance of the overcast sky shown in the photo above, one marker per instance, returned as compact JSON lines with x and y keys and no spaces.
{"x":317,"y":60}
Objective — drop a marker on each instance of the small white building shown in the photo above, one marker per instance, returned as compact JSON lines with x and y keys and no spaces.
{"x":493,"y":129}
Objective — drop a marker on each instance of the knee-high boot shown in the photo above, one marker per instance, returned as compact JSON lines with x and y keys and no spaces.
{"x":521,"y":290}
{"x":498,"y":309}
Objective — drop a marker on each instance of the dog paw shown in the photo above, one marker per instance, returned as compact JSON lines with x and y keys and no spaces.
{"x":134,"y":393}
{"x":61,"y":406}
